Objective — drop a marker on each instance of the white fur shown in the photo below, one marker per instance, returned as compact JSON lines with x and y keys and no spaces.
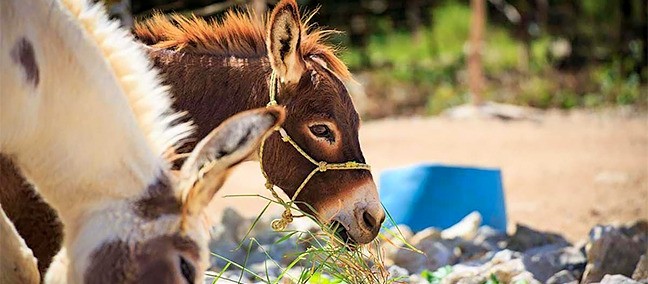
{"x":94,"y":129}
{"x":97,"y":113}
{"x":92,"y":134}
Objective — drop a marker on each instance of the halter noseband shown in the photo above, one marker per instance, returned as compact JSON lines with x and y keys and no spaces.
{"x":320,"y":166}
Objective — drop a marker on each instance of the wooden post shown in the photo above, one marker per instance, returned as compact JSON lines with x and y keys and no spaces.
{"x":476,"y":46}
{"x":414,"y":21}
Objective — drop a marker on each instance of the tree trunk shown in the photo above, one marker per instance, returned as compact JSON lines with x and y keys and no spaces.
{"x":524,"y":58}
{"x":476,"y":45}
{"x":414,"y":21}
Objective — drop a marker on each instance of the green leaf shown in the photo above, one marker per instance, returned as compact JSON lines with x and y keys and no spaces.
{"x":436,"y":276}
{"x":493,"y":279}
{"x":284,"y":238}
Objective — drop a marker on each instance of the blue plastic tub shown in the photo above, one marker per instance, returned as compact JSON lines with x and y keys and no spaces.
{"x":434,"y":195}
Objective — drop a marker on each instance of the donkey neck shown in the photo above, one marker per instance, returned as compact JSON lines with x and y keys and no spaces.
{"x":212,"y":88}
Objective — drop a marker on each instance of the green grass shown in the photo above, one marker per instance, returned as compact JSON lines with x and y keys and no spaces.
{"x":437,"y":276}
{"x":326,"y":258}
{"x":442,"y":43}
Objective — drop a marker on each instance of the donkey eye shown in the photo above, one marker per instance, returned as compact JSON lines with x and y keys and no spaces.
{"x":323,"y":131}
{"x":320,"y":130}
{"x":188,"y":270}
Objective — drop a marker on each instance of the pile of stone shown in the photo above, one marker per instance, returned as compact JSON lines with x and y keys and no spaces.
{"x":612,"y":254}
{"x":468,"y":252}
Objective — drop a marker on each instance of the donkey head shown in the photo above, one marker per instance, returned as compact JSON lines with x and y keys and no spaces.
{"x":322,"y":120}
{"x":161,"y":237}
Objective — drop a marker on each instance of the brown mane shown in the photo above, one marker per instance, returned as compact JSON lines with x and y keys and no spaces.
{"x":237,"y":34}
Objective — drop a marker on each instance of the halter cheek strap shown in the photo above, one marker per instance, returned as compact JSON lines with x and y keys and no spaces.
{"x":320,"y":166}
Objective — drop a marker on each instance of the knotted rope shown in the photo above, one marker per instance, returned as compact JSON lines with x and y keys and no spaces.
{"x":320,"y":166}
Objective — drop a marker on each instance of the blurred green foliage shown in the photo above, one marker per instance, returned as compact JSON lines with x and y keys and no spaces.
{"x":431,"y":64}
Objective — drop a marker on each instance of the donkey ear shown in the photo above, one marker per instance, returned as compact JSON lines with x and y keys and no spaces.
{"x":205,"y":170}
{"x":283,"y":42}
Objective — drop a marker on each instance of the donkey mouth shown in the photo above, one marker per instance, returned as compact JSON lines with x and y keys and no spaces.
{"x":343,"y":234}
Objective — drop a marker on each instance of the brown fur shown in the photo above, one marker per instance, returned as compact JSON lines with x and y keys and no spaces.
{"x":23,"y":54}
{"x":36,"y":221}
{"x":211,"y":97}
{"x":238,"y":34}
{"x":217,"y":69}
{"x":159,"y":200}
{"x":149,"y":262}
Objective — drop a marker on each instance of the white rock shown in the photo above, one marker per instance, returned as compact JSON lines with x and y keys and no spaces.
{"x":466,"y":228}
{"x":396,"y":238}
{"x":435,"y":255}
{"x":617,"y":279}
{"x":397,"y":272}
{"x":416,"y":279}
{"x":641,"y":271}
{"x":562,"y":277}
{"x":506,"y":265}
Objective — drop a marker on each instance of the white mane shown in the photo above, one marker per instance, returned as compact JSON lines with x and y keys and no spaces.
{"x":149,"y":99}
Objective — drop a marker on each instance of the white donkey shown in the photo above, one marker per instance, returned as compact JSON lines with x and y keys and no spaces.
{"x":86,"y":119}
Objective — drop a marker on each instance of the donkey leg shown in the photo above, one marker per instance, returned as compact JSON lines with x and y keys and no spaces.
{"x":36,"y":222}
{"x":17,"y":263}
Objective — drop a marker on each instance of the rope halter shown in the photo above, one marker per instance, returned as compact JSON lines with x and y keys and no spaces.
{"x":320,"y":166}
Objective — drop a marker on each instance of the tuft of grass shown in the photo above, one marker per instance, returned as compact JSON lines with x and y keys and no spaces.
{"x":325,"y":259}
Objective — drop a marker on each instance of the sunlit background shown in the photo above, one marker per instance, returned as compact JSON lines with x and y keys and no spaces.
{"x":554,"y":93}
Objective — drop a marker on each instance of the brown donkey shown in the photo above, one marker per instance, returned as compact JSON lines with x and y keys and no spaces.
{"x":217,"y":69}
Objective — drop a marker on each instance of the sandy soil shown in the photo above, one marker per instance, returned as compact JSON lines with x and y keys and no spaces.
{"x":565,"y":173}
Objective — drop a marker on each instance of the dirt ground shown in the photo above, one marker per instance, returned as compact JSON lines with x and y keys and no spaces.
{"x":564,"y":174}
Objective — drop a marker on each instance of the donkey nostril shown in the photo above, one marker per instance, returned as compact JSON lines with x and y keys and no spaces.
{"x":369,"y":220}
